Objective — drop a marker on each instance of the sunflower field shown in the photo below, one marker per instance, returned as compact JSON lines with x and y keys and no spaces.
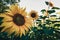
{"x":17,"y":24}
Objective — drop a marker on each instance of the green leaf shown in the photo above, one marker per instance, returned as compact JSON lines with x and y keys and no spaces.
{"x":12,"y":1}
{"x":3,"y":7}
{"x":19,"y":0}
{"x":53,"y":15}
{"x":57,"y":25}
{"x":8,"y":1}
{"x":55,"y":8}
{"x":51,"y":11}
{"x":47,"y":21}
{"x":0,"y":1}
{"x":1,"y":18}
{"x":46,"y":2}
{"x":38,"y":20}
{"x":43,"y":10}
{"x":15,"y":1}
{"x":43,"y":17}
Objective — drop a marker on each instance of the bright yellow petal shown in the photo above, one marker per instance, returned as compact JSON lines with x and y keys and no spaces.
{"x":20,"y":31}
{"x":16,"y":30}
{"x":22,"y":12}
{"x":5,"y":28}
{"x":25,"y":27}
{"x":29,"y":22}
{"x":14,"y":8}
{"x":11,"y":30}
{"x":5,"y":24}
{"x":7,"y":19}
{"x":23,"y":30}
{"x":9,"y":12}
{"x":4,"y":15}
{"x":28,"y":26}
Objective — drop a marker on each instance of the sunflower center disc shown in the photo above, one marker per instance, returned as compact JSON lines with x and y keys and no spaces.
{"x":18,"y":19}
{"x":33,"y":15}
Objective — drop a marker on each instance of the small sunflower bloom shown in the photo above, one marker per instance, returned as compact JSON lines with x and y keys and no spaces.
{"x":51,"y":4}
{"x":33,"y":15}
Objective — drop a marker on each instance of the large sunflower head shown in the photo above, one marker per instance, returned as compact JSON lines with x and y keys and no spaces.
{"x":15,"y":20}
{"x":33,"y":15}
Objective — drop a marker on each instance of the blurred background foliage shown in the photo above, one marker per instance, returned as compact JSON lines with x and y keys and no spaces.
{"x":4,"y":4}
{"x":47,"y":26}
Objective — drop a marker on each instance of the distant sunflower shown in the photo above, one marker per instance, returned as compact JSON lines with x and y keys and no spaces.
{"x":15,"y":20}
{"x":33,"y":15}
{"x":51,"y":4}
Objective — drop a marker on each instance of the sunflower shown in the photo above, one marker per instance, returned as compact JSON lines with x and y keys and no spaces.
{"x":33,"y":15}
{"x":15,"y":20}
{"x":51,"y":4}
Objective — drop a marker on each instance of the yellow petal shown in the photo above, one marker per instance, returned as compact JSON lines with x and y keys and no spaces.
{"x":23,"y":30}
{"x":25,"y":27}
{"x":3,"y":15}
{"x":16,"y":30}
{"x":14,"y":9}
{"x":7,"y":19}
{"x":9,"y":12}
{"x":22,"y":13}
{"x":11,"y":30}
{"x":5,"y":28}
{"x":5,"y":24}
{"x":20,"y":31}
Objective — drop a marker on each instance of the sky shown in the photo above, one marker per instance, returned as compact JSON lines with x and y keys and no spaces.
{"x":37,"y":5}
